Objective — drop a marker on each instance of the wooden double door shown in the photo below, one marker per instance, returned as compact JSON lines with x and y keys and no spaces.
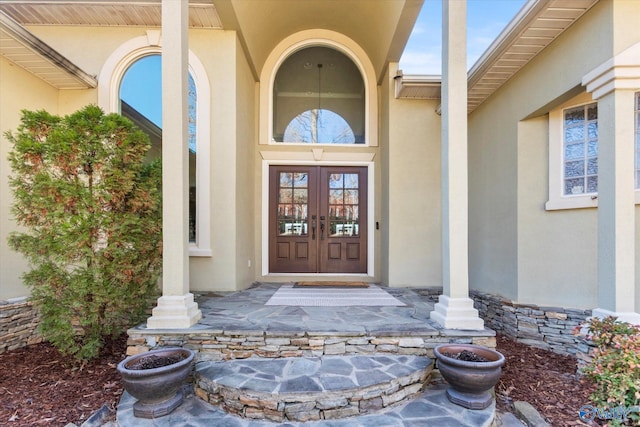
{"x":317,"y":219}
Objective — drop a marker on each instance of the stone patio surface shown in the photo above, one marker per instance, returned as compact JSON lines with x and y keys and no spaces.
{"x":244,"y":313}
{"x":431,"y":408}
{"x":245,"y":310}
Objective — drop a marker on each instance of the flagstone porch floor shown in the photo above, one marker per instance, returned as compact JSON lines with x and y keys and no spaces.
{"x":238,"y":325}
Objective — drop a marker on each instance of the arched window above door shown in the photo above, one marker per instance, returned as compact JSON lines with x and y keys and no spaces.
{"x":319,"y":98}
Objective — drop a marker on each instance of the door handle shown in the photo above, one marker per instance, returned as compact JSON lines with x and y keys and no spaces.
{"x":321,"y":228}
{"x":313,"y":227}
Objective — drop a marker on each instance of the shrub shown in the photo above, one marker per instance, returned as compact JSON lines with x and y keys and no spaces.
{"x":91,"y":209}
{"x":615,"y":367}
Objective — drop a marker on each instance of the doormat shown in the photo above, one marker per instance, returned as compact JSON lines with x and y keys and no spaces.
{"x":328,"y":284}
{"x":332,"y":297}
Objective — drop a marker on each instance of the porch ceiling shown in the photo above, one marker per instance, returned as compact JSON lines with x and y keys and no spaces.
{"x":380,"y":27}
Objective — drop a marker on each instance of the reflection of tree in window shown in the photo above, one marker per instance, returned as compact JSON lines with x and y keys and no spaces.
{"x":319,"y":97}
{"x":141,"y":102}
{"x":319,"y":126}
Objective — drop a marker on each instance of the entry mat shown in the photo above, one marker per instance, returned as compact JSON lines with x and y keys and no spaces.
{"x":328,"y":284}
{"x":332,"y":297}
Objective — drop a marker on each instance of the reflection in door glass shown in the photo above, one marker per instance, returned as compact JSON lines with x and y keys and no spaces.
{"x":293,"y":204}
{"x":343,"y":205}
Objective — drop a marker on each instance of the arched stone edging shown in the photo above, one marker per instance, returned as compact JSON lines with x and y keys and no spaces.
{"x":314,"y":388}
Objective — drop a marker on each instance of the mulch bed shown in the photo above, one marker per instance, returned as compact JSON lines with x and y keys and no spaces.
{"x":546,"y":380}
{"x":39,"y":387}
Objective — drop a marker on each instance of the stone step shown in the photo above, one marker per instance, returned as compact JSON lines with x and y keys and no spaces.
{"x":311,"y":388}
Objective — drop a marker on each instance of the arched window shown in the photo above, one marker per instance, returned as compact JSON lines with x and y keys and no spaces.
{"x":319,"y":97}
{"x":141,"y":101}
{"x":130,"y":84}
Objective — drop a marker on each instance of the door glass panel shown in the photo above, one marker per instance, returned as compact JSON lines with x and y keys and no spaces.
{"x":343,"y":205}
{"x":293,"y":204}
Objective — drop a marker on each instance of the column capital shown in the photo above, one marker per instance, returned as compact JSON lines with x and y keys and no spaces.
{"x":622,"y":72}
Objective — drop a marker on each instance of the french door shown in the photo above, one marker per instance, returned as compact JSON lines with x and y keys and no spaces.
{"x":317,"y":219}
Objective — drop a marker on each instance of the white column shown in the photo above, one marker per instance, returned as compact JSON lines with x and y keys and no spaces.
{"x":176,"y":307}
{"x":613,"y":84}
{"x":454,"y":309}
{"x":616,"y":206}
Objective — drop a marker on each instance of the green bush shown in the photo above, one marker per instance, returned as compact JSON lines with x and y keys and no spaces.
{"x":615,"y":367}
{"x":91,"y":209}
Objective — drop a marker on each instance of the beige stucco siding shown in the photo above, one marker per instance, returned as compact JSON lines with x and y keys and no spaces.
{"x":245,"y":170}
{"x":557,"y":252}
{"x":492,"y":200}
{"x":413,"y":192}
{"x":86,"y":47}
{"x":20,"y":90}
{"x":625,"y":15}
{"x":517,"y":248}
{"x":217,"y":50}
{"x":229,"y":80}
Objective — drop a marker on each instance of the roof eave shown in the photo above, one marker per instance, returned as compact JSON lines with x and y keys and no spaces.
{"x":79,"y":78}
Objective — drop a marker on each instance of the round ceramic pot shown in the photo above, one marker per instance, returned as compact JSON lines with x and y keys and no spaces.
{"x":469,"y":382}
{"x":158,"y":389}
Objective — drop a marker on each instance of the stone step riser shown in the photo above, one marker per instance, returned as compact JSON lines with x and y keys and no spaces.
{"x":228,"y":345}
{"x":304,"y":406}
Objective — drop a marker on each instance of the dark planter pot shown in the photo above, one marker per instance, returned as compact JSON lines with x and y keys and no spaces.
{"x":470,"y":382}
{"x":158,"y":389}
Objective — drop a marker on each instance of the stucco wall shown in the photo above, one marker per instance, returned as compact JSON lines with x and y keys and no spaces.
{"x":19,"y":90}
{"x":245,"y":187}
{"x":413,"y":192}
{"x":232,"y":95}
{"x":517,"y":248}
{"x":217,"y":50}
{"x":492,"y":201}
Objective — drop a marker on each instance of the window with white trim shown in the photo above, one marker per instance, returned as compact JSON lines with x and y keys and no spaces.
{"x":573,"y":154}
{"x":109,"y":81}
{"x":580,"y":142}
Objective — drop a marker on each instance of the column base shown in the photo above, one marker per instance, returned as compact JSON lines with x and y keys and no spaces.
{"x":174,"y":312}
{"x":629,"y":317}
{"x":456,"y":313}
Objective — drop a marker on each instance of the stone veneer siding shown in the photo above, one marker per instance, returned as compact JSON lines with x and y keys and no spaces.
{"x":550,"y":328}
{"x":226,"y":345}
{"x":19,"y":321}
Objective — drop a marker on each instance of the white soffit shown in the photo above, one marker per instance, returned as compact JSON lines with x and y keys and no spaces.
{"x":109,"y":13}
{"x":538,"y":23}
{"x":417,"y":87}
{"x":24,"y":49}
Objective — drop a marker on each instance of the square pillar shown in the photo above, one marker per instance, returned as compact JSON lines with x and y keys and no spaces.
{"x":616,"y":206}
{"x":614,"y":84}
{"x":176,"y":307}
{"x":454,"y":309}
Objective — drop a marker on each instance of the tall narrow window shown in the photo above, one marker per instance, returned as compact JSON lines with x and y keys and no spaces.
{"x":141,"y":102}
{"x":581,"y":150}
{"x":319,"y":98}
